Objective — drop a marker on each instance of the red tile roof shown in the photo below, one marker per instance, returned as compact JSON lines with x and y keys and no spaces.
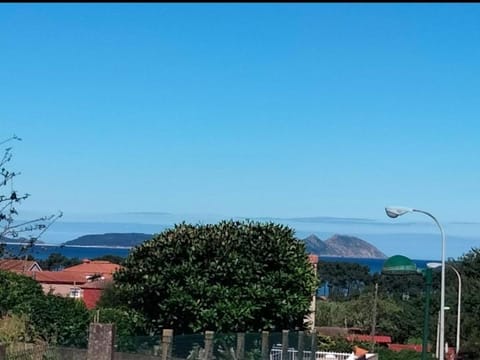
{"x":380,"y":339}
{"x":18,"y":266}
{"x":400,"y":347}
{"x":100,"y":284}
{"x":105,"y":268}
{"x":57,"y":277}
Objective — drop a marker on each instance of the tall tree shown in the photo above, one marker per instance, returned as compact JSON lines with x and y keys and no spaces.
{"x":469,"y":268}
{"x":230,"y":276}
{"x":10,"y":226}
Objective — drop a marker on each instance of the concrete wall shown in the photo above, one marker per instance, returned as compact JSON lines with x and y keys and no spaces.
{"x":81,"y":354}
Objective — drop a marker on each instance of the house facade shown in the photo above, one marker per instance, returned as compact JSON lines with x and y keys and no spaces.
{"x":85,"y":281}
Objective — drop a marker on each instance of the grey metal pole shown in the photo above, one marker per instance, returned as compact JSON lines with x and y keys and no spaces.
{"x":459,"y":307}
{"x":442,"y":291}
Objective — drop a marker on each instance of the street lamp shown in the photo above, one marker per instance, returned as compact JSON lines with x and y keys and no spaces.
{"x":459,"y":300}
{"x":439,"y":347}
{"x":396,"y":211}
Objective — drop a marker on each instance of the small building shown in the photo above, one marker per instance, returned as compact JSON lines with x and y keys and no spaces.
{"x":100,"y":269}
{"x":85,"y":281}
{"x":59,"y":282}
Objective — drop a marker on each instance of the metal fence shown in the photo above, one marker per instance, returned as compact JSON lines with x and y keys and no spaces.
{"x":237,"y":346}
{"x":287,"y":345}
{"x":276,"y":354}
{"x":31,"y":353}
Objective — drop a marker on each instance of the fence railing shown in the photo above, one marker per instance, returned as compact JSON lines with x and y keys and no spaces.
{"x":276,"y":354}
{"x":29,"y":352}
{"x":103,"y":344}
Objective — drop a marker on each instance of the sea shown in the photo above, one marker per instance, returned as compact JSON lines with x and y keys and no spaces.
{"x":41,"y":251}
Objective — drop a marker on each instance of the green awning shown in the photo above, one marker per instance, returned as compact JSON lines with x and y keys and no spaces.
{"x":399,"y":264}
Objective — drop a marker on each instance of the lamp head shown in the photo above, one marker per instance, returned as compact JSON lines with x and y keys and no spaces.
{"x":434,"y":265}
{"x":396,"y":211}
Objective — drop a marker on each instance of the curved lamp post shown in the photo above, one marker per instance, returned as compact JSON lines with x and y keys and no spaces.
{"x":459,"y":300}
{"x":396,"y":211}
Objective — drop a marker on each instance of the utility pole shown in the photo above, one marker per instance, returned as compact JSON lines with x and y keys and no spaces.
{"x":374,"y":322}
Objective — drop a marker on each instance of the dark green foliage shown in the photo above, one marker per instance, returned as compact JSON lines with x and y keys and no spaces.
{"x":400,"y":301}
{"x":18,"y":293}
{"x":469,"y":351}
{"x":469,"y":268}
{"x":401,"y":286}
{"x":61,"y":320}
{"x":50,"y":317}
{"x":115,"y":259}
{"x":129,"y":325}
{"x":344,"y":279}
{"x":230,"y":276}
{"x":386,"y":354}
{"x":57,"y":261}
{"x":112,"y":297}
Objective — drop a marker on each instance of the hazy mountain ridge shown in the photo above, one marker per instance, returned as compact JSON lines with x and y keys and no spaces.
{"x":343,"y":246}
{"x":337,"y":245}
{"x":21,"y":240}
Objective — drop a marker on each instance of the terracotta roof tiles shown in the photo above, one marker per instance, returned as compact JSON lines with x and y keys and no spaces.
{"x":94,"y":267}
{"x":18,"y":265}
{"x":57,"y":277}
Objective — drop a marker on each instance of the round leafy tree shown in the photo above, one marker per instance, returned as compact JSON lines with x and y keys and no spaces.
{"x":230,"y":276}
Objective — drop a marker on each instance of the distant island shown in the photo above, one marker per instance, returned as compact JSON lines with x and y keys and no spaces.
{"x":110,"y":240}
{"x":337,"y":245}
{"x":342,"y":246}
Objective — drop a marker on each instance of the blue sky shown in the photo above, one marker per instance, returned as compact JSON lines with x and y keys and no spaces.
{"x":250,"y":110}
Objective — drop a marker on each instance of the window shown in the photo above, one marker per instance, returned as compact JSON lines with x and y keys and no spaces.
{"x":75,"y":293}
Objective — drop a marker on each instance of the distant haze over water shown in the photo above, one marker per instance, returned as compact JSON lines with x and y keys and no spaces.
{"x":411,"y":236}
{"x":83,"y":252}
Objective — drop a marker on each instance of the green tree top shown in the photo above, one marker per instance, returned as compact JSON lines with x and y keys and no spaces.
{"x":230,"y":276}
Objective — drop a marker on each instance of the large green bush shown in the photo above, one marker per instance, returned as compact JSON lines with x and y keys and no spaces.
{"x":61,"y":320}
{"x":130,"y":326}
{"x":49,"y":317}
{"x":230,"y":276}
{"x":18,"y":293}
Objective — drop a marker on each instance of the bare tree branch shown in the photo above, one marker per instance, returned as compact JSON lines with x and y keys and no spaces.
{"x":10,"y":227}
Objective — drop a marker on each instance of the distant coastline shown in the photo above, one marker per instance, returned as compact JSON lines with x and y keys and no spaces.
{"x":119,"y":247}
{"x":41,"y":252}
{"x":73,"y":246}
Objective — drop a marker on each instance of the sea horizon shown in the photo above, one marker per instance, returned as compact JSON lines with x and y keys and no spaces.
{"x":42,"y":251}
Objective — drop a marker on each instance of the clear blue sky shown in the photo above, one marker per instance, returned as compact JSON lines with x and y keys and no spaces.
{"x":274,"y":110}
